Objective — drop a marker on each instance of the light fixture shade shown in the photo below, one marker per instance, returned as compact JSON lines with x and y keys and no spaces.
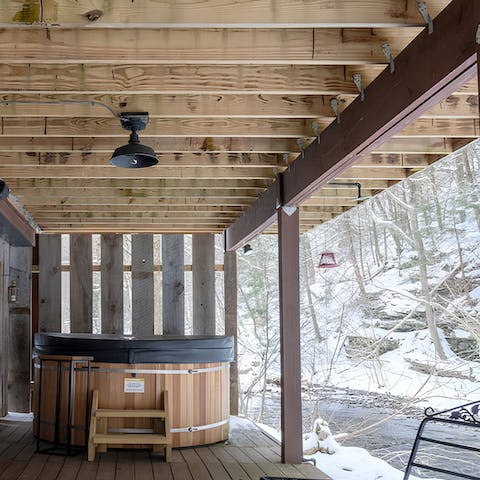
{"x":134,"y":155}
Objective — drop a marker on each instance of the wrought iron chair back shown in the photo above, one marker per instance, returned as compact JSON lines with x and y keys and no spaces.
{"x":464,"y":415}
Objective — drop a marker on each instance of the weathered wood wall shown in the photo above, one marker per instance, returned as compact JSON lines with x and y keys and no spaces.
{"x":112,"y":284}
{"x":173,"y":285}
{"x":230,"y":289}
{"x":50,"y":283}
{"x":203,"y":267}
{"x":142,"y":285}
{"x":81,"y":283}
{"x":20,"y":335}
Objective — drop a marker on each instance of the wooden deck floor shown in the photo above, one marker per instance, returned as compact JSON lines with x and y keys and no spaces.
{"x":249,"y":455}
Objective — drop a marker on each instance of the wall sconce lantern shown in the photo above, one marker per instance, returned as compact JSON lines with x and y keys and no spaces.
{"x":12,"y":292}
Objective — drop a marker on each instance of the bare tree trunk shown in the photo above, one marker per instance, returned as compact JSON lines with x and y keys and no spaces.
{"x":309,"y":278}
{"x":438,"y":207}
{"x":473,"y":194}
{"x":422,"y":266}
{"x":358,"y":273}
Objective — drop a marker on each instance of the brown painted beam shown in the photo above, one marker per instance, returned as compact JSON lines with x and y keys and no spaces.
{"x":291,"y":400}
{"x":14,"y":227}
{"x":429,"y":69}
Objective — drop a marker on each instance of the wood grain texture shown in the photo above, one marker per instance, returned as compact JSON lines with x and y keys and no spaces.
{"x":80,"y":283}
{"x":231,"y":313}
{"x":173,"y":285}
{"x":203,"y":46}
{"x":196,"y":399}
{"x":203,"y":264}
{"x":112,"y":283}
{"x":54,"y":81}
{"x":50,"y":283}
{"x":197,"y":13}
{"x":142,"y":286}
{"x":20,"y":336}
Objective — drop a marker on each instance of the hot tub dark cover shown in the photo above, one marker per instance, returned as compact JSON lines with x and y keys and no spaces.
{"x":127,"y":349}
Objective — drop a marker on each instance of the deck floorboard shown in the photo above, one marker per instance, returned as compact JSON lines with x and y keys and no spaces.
{"x":248,"y":455}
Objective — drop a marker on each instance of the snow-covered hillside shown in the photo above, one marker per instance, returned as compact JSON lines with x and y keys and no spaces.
{"x":401,"y":312}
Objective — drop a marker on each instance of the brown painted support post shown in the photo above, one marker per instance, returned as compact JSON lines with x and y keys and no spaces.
{"x":80,"y":283}
{"x":142,"y":285}
{"x":230,"y":299}
{"x":19,"y":345}
{"x":291,"y":409}
{"x":112,"y":283}
{"x":50,"y":283}
{"x":203,"y":268}
{"x":173,"y":285}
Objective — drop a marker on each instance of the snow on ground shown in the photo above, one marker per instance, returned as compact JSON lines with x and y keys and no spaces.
{"x":347,"y":463}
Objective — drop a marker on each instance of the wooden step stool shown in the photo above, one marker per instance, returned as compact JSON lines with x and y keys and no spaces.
{"x":99,"y":438}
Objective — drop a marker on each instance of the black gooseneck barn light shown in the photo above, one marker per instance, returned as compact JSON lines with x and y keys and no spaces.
{"x":134,"y":154}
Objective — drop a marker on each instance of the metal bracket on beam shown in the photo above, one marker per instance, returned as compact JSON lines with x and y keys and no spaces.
{"x":388,"y":55}
{"x":285,"y":159}
{"x":334,"y":105}
{"x":357,"y":79}
{"x":316,"y":131}
{"x":422,"y":8}
{"x":302,"y":148}
{"x":289,"y":210}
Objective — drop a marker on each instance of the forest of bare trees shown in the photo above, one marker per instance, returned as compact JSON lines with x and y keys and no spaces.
{"x":404,"y":293}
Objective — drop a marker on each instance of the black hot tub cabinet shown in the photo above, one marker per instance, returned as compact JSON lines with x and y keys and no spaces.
{"x":131,"y":372}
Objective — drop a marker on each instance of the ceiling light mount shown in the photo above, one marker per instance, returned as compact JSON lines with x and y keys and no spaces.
{"x":134,"y":154}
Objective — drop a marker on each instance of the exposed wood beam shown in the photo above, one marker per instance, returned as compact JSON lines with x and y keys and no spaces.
{"x":282,"y":14}
{"x":143,"y":201}
{"x":204,"y":46}
{"x":98,"y":81}
{"x":227,"y":126}
{"x":109,"y":171}
{"x":57,"y":193}
{"x":30,"y":145}
{"x":117,"y":209}
{"x":169,"y":106}
{"x":14,"y":227}
{"x":430,"y":69}
{"x":125,"y":183}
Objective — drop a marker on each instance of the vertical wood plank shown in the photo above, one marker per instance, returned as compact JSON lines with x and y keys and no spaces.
{"x":291,"y":401}
{"x":173,"y":285}
{"x":50,"y":283}
{"x":142,"y":285}
{"x":112,"y":283}
{"x":19,"y":351}
{"x":230,"y":301}
{"x":4,"y":330}
{"x":203,"y":267}
{"x":80,"y":283}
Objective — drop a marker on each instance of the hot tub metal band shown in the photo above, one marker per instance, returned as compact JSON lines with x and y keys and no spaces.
{"x":172,"y":430}
{"x":190,"y":371}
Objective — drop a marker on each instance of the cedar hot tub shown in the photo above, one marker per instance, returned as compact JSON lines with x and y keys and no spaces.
{"x":131,"y":373}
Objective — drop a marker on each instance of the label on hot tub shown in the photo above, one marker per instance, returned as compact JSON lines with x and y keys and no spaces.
{"x":134,"y":385}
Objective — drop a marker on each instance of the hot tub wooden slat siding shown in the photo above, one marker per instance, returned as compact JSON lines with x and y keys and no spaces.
{"x":196,"y":399}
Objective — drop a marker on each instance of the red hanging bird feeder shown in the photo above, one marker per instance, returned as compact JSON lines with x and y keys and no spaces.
{"x":327,"y":260}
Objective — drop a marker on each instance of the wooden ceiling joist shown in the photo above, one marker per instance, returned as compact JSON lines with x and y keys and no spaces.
{"x":234,"y":91}
{"x":215,"y":13}
{"x":392,"y":101}
{"x":211,"y":46}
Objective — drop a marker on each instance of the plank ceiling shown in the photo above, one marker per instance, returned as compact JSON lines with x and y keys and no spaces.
{"x":234,"y":88}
